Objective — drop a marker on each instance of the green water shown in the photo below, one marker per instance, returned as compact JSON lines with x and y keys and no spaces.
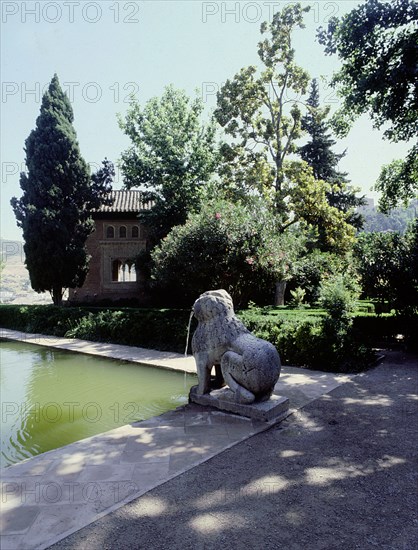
{"x":50,"y":397}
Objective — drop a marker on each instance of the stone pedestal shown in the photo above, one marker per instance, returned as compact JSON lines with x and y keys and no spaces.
{"x":276,"y":408}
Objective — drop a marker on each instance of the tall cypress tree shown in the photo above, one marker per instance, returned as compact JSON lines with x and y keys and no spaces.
{"x":58,"y":197}
{"x":318,"y":153}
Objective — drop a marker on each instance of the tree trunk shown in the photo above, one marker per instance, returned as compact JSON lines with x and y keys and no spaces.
{"x":56,"y":294}
{"x":279,"y":294}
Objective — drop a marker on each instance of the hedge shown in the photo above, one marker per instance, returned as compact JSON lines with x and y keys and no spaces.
{"x":300,"y":339}
{"x":385,"y":330}
{"x":161,"y":329}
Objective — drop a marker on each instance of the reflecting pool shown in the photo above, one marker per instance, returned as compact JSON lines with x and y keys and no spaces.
{"x":51,"y":397}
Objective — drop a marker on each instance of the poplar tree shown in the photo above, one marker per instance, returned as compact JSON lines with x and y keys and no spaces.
{"x":260,"y":110}
{"x":59,"y":194}
{"x":261,"y":113}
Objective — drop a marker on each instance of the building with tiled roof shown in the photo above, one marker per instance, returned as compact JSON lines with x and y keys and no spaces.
{"x":125,"y":201}
{"x":113,"y":246}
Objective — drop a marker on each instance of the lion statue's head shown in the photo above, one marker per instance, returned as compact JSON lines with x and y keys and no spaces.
{"x":218,"y":325}
{"x":213,"y":303}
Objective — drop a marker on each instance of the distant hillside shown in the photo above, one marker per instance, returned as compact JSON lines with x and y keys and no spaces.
{"x":397,"y":219}
{"x":15,"y":284}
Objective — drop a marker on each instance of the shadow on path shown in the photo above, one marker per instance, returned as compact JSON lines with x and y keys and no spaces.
{"x":339,"y":473}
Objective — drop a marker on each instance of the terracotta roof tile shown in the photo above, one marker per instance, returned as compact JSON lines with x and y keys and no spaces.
{"x":126,"y":201}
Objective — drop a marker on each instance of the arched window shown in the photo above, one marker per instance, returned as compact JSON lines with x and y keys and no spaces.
{"x":135,"y":232}
{"x":122,"y":232}
{"x":110,"y":232}
{"x":130,"y":272}
{"x":123,"y":271}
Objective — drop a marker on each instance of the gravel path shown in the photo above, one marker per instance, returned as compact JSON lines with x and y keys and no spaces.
{"x":339,"y":473}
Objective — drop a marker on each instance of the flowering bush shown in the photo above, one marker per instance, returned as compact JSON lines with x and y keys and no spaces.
{"x":225,"y":245}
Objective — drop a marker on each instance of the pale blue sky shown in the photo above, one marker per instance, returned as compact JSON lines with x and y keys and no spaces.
{"x":103,"y":51}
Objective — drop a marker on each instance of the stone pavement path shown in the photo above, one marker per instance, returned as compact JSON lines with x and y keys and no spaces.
{"x":339,"y":473}
{"x":57,"y":493}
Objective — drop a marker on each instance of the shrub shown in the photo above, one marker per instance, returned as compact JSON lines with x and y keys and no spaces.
{"x":164,"y":330}
{"x":316,"y":267}
{"x":339,"y":302}
{"x":44,"y":319}
{"x":228,"y":246}
{"x":386,"y":330}
{"x":298,"y":296}
{"x":308,"y":341}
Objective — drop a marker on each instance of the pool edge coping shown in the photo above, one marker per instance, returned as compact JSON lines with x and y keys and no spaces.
{"x":132,"y":354}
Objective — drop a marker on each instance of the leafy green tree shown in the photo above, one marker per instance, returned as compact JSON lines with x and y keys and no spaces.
{"x":255,"y":110}
{"x":233,"y":246}
{"x":308,"y":204}
{"x":387,"y":266}
{"x":412,"y":237}
{"x":398,"y":181}
{"x":318,"y":153}
{"x":407,"y":298}
{"x":58,"y":197}
{"x":316,"y":267}
{"x":172,"y":156}
{"x":101,"y":184}
{"x":261,"y":113}
{"x":377,"y":44}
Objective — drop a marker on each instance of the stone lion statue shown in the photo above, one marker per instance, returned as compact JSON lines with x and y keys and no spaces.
{"x":250,"y":366}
